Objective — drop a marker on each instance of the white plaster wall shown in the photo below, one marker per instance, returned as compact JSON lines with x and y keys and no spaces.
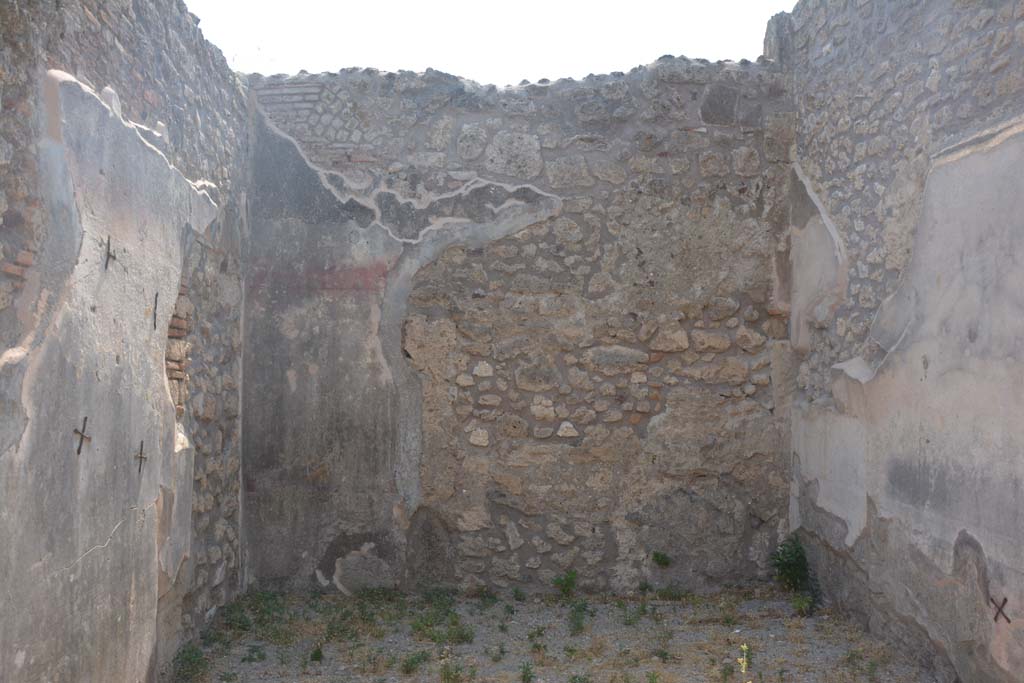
{"x":931,"y":442}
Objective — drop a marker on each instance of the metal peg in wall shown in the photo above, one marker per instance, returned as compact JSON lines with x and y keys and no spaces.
{"x":82,"y":436}
{"x":140,"y":457}
{"x":110,"y":254}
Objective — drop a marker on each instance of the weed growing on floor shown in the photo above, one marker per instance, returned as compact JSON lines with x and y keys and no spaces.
{"x":673,"y":594}
{"x":454,"y":673}
{"x":566,"y":584}
{"x":235,"y":618}
{"x":579,"y":678}
{"x":270,"y":617}
{"x":526,"y":674}
{"x":631,"y":616}
{"x":499,"y":653}
{"x":485,"y":598}
{"x":518,"y":595}
{"x":227,"y":677}
{"x":578,"y":616}
{"x":803,"y":605}
{"x":439,"y":622}
{"x":317,"y":655}
{"x":790,"y":564}
{"x":256,"y":653}
{"x":411,"y":663}
{"x":190,"y":664}
{"x":726,"y":672}
{"x":661,"y":559}
{"x":744,"y":659}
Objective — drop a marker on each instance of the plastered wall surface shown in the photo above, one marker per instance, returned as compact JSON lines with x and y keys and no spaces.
{"x":551,"y":308}
{"x":151,"y":64}
{"x":905,"y":427}
{"x":94,"y":535}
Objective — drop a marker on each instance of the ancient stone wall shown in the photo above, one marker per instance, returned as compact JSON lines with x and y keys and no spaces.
{"x":156,"y":70}
{"x":489,"y":336}
{"x":906,"y":435}
{"x":589,"y":268}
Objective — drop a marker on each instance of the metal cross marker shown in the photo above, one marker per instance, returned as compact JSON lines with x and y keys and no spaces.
{"x":82,"y":436}
{"x":140,"y":457}
{"x":999,"y":610}
{"x":156,"y":299}
{"x":110,"y":254}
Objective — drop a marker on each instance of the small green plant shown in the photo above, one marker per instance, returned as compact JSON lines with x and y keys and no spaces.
{"x":652,"y":677}
{"x":227,"y":677}
{"x":790,"y":564}
{"x":439,"y":622}
{"x":499,"y":653}
{"x":631,"y":616}
{"x":317,"y":655}
{"x":726,"y":672}
{"x":518,"y":595}
{"x":342,"y":625}
{"x":661,"y":559}
{"x":566,"y":583}
{"x":411,"y":663}
{"x":579,"y":678}
{"x":215,"y":636}
{"x":190,"y":664}
{"x":509,"y":609}
{"x":744,"y":659}
{"x":578,"y":616}
{"x":256,"y":653}
{"x":662,"y":654}
{"x":526,"y":673}
{"x":235,"y":617}
{"x":645,"y":587}
{"x":535,"y":634}
{"x":454,"y":673}
{"x":672,"y":594}
{"x":268,"y":614}
{"x":485,"y":597}
{"x":803,"y":604}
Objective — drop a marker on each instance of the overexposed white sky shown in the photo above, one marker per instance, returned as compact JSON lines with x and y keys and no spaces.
{"x":484,"y":40}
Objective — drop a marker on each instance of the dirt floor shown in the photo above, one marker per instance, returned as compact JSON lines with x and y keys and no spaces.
{"x":664,"y":637}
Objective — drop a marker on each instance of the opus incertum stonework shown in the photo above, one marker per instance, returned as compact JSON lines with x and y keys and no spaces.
{"x":364,"y":330}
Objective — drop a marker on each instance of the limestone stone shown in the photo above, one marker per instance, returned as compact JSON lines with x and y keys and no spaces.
{"x":615,"y":359}
{"x":746,"y":161}
{"x":569,"y":171}
{"x":720,"y":307}
{"x":670,"y":339}
{"x":713,"y":164}
{"x":749,"y":340}
{"x":710,"y":341}
{"x":480,"y":437}
{"x":471,"y":142}
{"x":567,"y":430}
{"x":514,"y":154}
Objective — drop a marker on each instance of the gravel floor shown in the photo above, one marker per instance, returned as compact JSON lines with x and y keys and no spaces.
{"x":586,"y":639}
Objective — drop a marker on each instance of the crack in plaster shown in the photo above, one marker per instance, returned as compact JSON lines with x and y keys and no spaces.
{"x":418,"y":203}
